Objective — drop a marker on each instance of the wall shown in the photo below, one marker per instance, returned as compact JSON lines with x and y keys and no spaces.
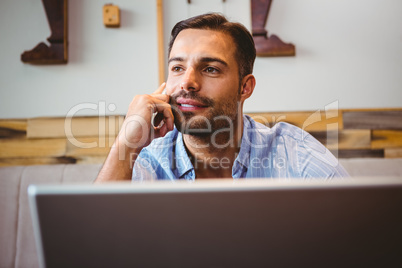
{"x":106,"y":66}
{"x":348,"y":52}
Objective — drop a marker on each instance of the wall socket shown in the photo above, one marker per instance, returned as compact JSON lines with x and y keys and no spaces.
{"x":111,"y":15}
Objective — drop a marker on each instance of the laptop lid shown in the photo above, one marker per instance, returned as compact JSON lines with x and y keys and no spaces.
{"x":243,"y":223}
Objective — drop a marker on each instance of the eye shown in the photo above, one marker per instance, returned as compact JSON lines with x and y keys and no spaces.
{"x":211,"y":70}
{"x":177,"y":69}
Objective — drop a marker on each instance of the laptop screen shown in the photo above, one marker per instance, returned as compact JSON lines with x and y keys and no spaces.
{"x":222,"y":223}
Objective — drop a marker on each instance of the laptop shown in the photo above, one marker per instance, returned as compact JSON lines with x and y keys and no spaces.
{"x":220,"y":223}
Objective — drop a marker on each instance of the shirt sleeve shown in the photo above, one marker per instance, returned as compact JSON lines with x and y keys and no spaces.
{"x":316,"y":161}
{"x":143,"y":170}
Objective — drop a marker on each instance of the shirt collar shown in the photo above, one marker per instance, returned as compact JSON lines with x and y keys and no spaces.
{"x":184,"y":165}
{"x":182,"y":161}
{"x":243,"y":158}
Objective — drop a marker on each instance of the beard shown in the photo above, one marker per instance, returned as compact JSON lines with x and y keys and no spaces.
{"x":218,"y":115}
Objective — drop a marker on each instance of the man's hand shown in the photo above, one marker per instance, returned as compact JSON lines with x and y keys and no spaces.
{"x":148,"y":117}
{"x":140,"y":126}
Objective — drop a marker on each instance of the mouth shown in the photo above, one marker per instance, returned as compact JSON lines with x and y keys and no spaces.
{"x":189,"y":105}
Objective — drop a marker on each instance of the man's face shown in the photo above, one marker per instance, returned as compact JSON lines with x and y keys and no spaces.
{"x":203,"y":81}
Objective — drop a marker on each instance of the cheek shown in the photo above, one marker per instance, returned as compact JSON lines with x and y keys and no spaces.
{"x":170,"y":86}
{"x":229,"y":90}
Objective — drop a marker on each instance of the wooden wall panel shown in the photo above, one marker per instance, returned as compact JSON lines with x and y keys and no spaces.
{"x":15,"y":148}
{"x":91,"y":159}
{"x":389,"y":119}
{"x":393,"y":152}
{"x":345,"y":139}
{"x":386,"y":139}
{"x":14,"y":124}
{"x":30,"y":161}
{"x":76,"y":127}
{"x":13,"y":128}
{"x":348,"y":133}
{"x":91,"y":146}
{"x":360,"y":153}
{"x":309,"y":121}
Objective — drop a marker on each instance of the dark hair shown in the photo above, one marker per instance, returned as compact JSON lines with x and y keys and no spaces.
{"x":245,"y":49}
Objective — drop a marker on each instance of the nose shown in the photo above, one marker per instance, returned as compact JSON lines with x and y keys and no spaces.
{"x":190,"y":81}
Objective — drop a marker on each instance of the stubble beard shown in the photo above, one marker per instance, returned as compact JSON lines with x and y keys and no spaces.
{"x":218,"y":117}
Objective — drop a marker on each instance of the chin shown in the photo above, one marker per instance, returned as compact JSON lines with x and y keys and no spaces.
{"x":193,"y":125}
{"x":202,"y":126}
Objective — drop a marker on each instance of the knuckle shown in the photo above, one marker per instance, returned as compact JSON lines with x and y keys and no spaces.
{"x":141,"y":99}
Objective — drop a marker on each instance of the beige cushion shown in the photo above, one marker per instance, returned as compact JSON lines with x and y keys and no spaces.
{"x":372,"y":167}
{"x":9,"y":194}
{"x":26,"y":255}
{"x":17,"y":243}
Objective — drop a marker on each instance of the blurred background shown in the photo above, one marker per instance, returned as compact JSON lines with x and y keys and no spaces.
{"x":348,"y":61}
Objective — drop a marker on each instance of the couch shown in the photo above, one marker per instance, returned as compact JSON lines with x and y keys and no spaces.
{"x":17,"y":245}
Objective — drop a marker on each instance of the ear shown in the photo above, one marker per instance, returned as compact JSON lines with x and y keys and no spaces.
{"x":247,"y":87}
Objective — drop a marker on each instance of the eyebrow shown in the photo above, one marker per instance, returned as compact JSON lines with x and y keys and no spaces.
{"x":204,"y":59}
{"x":175,"y":59}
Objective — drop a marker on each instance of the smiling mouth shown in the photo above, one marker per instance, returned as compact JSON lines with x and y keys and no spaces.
{"x":187,"y":107}
{"x":190,"y":106}
{"x":190,"y":102}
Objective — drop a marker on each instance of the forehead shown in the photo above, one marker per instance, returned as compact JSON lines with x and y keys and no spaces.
{"x":203,"y":43}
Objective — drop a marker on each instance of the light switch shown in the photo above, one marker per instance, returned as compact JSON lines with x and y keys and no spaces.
{"x":111,"y":15}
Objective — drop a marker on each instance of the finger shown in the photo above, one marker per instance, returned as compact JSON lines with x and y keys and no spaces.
{"x":164,"y":108}
{"x":162,"y":97}
{"x":161,"y":132}
{"x":158,"y":119}
{"x":160,"y":88}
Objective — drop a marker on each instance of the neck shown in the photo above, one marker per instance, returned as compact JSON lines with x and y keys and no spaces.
{"x":213,"y":155}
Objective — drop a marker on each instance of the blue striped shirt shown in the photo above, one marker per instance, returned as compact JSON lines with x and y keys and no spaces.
{"x":283,"y":151}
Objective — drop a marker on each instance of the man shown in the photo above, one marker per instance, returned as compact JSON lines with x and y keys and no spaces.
{"x":197,"y":129}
